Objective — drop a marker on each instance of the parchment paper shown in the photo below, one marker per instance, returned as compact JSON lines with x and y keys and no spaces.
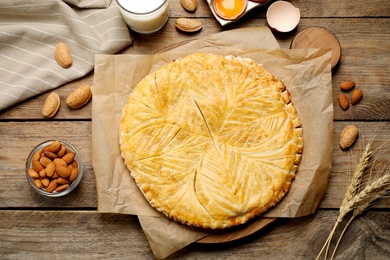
{"x":307,"y":75}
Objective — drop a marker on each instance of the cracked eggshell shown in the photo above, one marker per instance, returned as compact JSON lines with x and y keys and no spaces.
{"x":282,"y":16}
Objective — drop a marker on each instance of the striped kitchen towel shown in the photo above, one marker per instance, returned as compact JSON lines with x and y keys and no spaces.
{"x":30,"y":30}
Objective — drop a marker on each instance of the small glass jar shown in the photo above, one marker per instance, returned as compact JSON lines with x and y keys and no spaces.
{"x":73,"y":184}
{"x":145,"y":16}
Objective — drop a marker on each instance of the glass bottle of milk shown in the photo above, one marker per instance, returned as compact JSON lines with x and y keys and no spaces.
{"x":144,"y":16}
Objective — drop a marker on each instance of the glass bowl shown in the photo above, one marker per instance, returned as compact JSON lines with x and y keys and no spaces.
{"x":54,"y":193}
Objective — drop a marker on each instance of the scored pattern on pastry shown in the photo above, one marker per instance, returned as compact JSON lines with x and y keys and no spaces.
{"x":211,"y":141}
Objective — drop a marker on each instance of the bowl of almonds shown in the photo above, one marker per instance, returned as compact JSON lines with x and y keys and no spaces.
{"x":54,"y":168}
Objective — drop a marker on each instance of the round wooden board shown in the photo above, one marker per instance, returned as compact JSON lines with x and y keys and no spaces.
{"x":318,"y":38}
{"x":234,"y":233}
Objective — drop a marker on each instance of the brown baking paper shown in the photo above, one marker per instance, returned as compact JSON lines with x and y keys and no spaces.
{"x":307,"y":75}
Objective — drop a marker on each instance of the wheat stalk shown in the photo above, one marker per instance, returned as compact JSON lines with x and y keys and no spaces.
{"x":351,"y":191}
{"x":355,"y":183}
{"x":365,"y":199}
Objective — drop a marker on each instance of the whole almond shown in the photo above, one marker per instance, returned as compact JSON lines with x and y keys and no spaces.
{"x":50,"y":155}
{"x":73,"y":174}
{"x":189,"y":5}
{"x":36,"y":156}
{"x":63,"y":55}
{"x":188,"y":25}
{"x":59,"y":161}
{"x":45,"y":182}
{"x":347,"y":85}
{"x":52,"y":186}
{"x":42,"y":173}
{"x":46,"y":149}
{"x":62,"y":151}
{"x":50,"y":169}
{"x":357,"y":94}
{"x":79,"y":97}
{"x":348,"y":136}
{"x":45,"y":161}
{"x":70,"y":167}
{"x":343,"y":101}
{"x":33,"y":174}
{"x":51,"y":106}
{"x":55,"y":146}
{"x":68,"y":158}
{"x":61,"y":180}
{"x":37,"y":166}
{"x":62,"y":187}
{"x":75,"y":164}
{"x":38,"y":183}
{"x":63,"y":171}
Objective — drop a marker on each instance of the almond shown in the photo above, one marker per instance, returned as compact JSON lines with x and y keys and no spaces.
{"x":343,"y":101}
{"x":59,"y":161}
{"x":38,"y":183}
{"x":68,"y":158}
{"x":46,"y":149}
{"x":62,"y":151}
{"x":189,"y":5}
{"x":73,"y":174}
{"x":347,"y":85}
{"x":188,"y":25}
{"x":348,"y":136}
{"x":51,"y":106}
{"x":79,"y":97}
{"x":42,"y":173}
{"x":50,"y":155}
{"x":357,"y":94}
{"x":62,"y":187}
{"x":63,"y":55}
{"x":70,"y":167}
{"x":55,"y":146}
{"x":63,"y":171}
{"x":61,"y":180}
{"x":33,"y":174}
{"x":45,"y":161}
{"x":36,"y":156}
{"x":37,"y":166}
{"x":50,"y":169}
{"x":75,"y":164}
{"x":45,"y":181}
{"x":52,"y":186}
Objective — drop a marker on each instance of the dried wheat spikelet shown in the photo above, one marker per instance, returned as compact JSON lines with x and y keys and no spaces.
{"x":358,"y":198}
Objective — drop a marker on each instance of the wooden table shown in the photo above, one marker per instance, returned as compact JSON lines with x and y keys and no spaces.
{"x":32,"y":226}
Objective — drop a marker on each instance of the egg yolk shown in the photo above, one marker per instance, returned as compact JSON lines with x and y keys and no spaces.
{"x":229,"y":8}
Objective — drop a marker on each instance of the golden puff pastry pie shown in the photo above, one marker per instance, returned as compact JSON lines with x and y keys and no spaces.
{"x":211,"y":141}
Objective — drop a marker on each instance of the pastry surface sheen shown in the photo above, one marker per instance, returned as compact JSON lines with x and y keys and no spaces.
{"x":211,"y":141}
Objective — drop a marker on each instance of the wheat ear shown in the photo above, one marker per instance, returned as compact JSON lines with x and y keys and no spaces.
{"x":365,"y":199}
{"x":356,"y":180}
{"x":351,"y":191}
{"x":369,"y":194}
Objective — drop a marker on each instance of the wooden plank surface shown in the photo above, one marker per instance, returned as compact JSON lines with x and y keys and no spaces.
{"x":85,"y":234}
{"x":34,"y":227}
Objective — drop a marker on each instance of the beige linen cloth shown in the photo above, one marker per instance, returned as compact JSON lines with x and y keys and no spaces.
{"x":30,"y":30}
